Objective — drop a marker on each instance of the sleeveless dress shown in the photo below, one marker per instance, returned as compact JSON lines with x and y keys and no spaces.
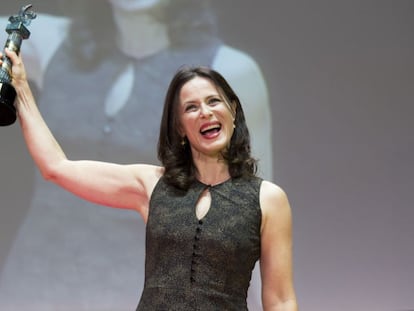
{"x":202,"y":264}
{"x":68,"y":253}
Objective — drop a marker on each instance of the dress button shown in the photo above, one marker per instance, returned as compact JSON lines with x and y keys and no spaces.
{"x":200,"y":222}
{"x":192,"y":279}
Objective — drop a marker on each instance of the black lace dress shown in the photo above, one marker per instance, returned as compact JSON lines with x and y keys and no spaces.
{"x":202,"y":264}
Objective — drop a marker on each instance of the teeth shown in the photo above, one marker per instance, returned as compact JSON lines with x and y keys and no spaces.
{"x":211,"y":127}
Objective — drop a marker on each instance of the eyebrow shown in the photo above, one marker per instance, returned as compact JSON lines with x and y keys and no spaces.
{"x":193,"y":101}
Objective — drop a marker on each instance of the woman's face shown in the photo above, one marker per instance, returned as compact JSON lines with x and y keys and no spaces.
{"x":206,"y":118}
{"x":130,"y":5}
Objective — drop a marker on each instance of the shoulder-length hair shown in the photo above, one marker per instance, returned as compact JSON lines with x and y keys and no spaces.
{"x":176,"y":157}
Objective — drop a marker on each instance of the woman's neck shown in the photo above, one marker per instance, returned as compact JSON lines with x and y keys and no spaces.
{"x":139,"y":33}
{"x":212,"y":171}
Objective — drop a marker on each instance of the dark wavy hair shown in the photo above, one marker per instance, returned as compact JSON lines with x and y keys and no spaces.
{"x":180,"y":170}
{"x":92,"y":35}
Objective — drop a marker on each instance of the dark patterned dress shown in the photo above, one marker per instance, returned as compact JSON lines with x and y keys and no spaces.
{"x":70,"y":252}
{"x":202,"y":264}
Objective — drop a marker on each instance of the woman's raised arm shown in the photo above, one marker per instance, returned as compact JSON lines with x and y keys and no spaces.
{"x":115,"y":185}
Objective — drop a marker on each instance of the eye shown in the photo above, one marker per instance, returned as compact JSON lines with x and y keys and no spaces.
{"x":190,"y":107}
{"x":214,"y":101}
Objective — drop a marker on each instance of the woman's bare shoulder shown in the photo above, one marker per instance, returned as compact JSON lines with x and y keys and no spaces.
{"x":273,"y":199}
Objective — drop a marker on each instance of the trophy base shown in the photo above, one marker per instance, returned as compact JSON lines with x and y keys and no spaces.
{"x":7,"y":109}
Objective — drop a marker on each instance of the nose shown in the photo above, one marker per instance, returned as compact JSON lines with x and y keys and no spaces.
{"x":205,"y":110}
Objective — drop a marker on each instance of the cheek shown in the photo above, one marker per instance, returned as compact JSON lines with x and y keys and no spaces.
{"x":186,"y":126}
{"x":182,"y":129}
{"x":229,"y":121}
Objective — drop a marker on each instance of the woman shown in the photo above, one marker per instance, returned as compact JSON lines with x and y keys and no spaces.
{"x":209,"y":219}
{"x":101,"y":76}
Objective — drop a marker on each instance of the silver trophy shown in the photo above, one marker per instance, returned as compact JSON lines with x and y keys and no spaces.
{"x":17,"y":30}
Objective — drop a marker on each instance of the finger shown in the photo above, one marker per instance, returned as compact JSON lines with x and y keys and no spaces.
{"x":14,"y":58}
{"x":11,"y":54}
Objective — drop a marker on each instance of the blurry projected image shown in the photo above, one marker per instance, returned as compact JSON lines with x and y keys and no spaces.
{"x":101,"y":73}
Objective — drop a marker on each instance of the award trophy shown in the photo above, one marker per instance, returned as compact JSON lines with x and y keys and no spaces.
{"x":17,"y":31}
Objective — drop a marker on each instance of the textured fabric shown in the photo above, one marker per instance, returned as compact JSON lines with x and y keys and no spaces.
{"x":202,"y":264}
{"x":81,"y":256}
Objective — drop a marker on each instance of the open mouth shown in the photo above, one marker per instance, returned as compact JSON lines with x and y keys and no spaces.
{"x":210,"y":130}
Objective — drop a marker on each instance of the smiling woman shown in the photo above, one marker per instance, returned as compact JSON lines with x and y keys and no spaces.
{"x":204,"y":100}
{"x":204,"y":208}
{"x":119,"y":61}
{"x":206,"y":118}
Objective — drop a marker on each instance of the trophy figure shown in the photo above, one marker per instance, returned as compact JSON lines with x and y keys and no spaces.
{"x":17,"y":30}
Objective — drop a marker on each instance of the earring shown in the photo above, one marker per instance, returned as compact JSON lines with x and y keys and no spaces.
{"x":183,"y":142}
